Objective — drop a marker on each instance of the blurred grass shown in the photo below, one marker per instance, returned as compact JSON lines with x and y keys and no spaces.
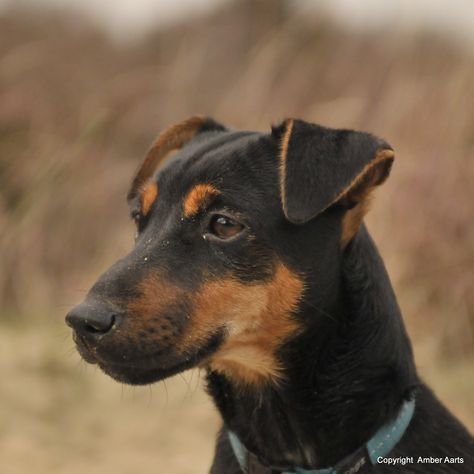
{"x":77,"y":113}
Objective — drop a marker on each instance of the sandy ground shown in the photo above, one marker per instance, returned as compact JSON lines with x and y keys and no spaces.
{"x":59,"y":415}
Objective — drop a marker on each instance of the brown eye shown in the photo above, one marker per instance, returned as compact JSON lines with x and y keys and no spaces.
{"x":224,"y":227}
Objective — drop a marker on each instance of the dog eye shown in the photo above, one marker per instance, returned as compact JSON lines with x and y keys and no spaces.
{"x":224,"y":227}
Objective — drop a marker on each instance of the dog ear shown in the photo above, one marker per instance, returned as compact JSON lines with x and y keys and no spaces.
{"x":173,"y":138}
{"x":321,"y":167}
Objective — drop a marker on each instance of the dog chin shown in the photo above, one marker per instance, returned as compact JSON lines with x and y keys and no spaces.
{"x":139,"y":376}
{"x":136,"y":374}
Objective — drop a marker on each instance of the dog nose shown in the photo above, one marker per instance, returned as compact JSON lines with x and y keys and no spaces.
{"x":91,"y":319}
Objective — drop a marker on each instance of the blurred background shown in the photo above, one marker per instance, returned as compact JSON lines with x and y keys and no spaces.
{"x":85,"y":86}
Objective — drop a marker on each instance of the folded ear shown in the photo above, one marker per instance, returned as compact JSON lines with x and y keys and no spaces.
{"x":173,"y":138}
{"x":321,"y":167}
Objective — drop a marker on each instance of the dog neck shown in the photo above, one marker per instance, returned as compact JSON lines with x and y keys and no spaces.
{"x":346,"y":375}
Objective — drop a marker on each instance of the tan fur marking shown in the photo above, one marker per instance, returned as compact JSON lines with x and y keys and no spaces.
{"x":257,"y":319}
{"x":283,"y":153}
{"x":198,"y":198}
{"x":148,"y":197}
{"x":360,"y":192}
{"x":352,"y":220}
{"x":247,"y":363}
{"x":171,"y":139}
{"x":367,"y":179}
{"x":155,"y":297}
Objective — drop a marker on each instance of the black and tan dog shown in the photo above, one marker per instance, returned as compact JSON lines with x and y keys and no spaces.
{"x":252,"y":261}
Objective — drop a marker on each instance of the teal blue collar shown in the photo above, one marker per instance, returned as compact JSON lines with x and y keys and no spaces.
{"x":384,"y":440}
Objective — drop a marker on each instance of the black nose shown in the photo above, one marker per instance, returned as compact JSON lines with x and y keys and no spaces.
{"x":92,"y":319}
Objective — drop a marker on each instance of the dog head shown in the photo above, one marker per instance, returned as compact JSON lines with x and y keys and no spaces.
{"x":235,"y":231}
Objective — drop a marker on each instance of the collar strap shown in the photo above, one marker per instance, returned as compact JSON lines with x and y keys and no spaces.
{"x":383,"y":441}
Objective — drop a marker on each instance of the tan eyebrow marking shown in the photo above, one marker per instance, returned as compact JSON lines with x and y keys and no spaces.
{"x":148,"y":197}
{"x":199,"y":198}
{"x":171,"y":139}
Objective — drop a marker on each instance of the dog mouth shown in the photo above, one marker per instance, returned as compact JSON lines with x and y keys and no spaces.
{"x":151,"y":368}
{"x":83,"y":348}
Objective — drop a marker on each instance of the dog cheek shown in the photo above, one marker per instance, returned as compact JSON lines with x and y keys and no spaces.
{"x":224,"y":304}
{"x":257,"y":319}
{"x":255,"y":264}
{"x":157,"y":317}
{"x":161,"y":331}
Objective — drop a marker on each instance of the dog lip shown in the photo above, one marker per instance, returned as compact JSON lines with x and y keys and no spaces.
{"x":133,"y":373}
{"x":85,"y":352}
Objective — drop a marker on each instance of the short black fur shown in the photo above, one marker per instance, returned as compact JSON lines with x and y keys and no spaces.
{"x":346,"y":370}
{"x":347,"y":377}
